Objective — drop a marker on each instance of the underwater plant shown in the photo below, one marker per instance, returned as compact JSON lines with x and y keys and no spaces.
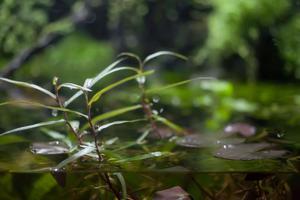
{"x":83,"y":141}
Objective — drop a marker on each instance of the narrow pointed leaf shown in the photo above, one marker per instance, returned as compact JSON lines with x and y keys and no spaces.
{"x":131,"y":55}
{"x":95,"y":80}
{"x":75,"y":156}
{"x":170,"y":124}
{"x":29,"y":85}
{"x":111,"y":114}
{"x":48,"y":123}
{"x":92,"y":82}
{"x":123,"y":184}
{"x":111,"y":86}
{"x":117,"y":123}
{"x":74,"y":86}
{"x":163,"y":53}
{"x":36,"y":104}
{"x":155,"y":90}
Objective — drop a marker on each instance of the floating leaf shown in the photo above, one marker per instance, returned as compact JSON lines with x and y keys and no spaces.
{"x":111,"y":114}
{"x":36,"y":104}
{"x":172,"y":193}
{"x":144,"y":156}
{"x":206,"y":141}
{"x":250,"y":151}
{"x":33,"y":126}
{"x":111,"y":86}
{"x":155,"y":90}
{"x":82,"y":152}
{"x":163,"y":53}
{"x":29,"y":85}
{"x":196,"y":141}
{"x":74,"y":86}
{"x":243,"y":129}
{"x":49,"y":148}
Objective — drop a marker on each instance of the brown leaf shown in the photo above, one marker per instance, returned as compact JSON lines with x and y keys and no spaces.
{"x":174,"y":193}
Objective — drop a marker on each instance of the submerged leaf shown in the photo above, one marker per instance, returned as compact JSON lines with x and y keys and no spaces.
{"x":49,"y":148}
{"x":163,"y":53}
{"x":29,"y":85}
{"x":172,"y":193}
{"x":48,"y":123}
{"x":250,"y":151}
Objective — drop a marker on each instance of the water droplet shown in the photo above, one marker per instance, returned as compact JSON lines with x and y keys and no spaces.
{"x":141,"y":79}
{"x":54,"y":113}
{"x":155,"y":99}
{"x":156,"y":153}
{"x":155,"y":112}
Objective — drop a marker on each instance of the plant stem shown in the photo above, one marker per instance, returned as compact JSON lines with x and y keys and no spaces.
{"x":105,"y":178}
{"x":92,"y":127}
{"x":147,"y":109}
{"x":66,"y":115}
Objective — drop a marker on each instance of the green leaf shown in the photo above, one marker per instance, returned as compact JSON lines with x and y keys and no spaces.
{"x":36,"y":104}
{"x":42,"y":186}
{"x":104,"y":126}
{"x":94,"y":80}
{"x":155,"y":90}
{"x":82,"y":152}
{"x":41,"y":124}
{"x":163,"y":53}
{"x":111,"y":114}
{"x":131,"y":55}
{"x":74,"y":86}
{"x":168,"y":123}
{"x":29,"y":85}
{"x":123,"y":184}
{"x":111,"y":86}
{"x":144,"y":156}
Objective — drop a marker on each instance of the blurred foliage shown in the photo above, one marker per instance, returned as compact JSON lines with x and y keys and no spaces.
{"x":289,"y":44}
{"x":75,"y":58}
{"x":21,"y":23}
{"x":233,"y":28}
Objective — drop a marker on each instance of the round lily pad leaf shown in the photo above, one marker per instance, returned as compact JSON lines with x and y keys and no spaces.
{"x":251,"y":151}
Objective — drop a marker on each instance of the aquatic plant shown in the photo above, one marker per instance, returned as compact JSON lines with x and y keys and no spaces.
{"x":78,"y":142}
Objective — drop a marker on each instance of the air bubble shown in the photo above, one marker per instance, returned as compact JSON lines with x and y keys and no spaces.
{"x":141,"y":79}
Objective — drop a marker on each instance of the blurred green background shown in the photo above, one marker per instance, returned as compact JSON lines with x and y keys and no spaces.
{"x":252,"y":47}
